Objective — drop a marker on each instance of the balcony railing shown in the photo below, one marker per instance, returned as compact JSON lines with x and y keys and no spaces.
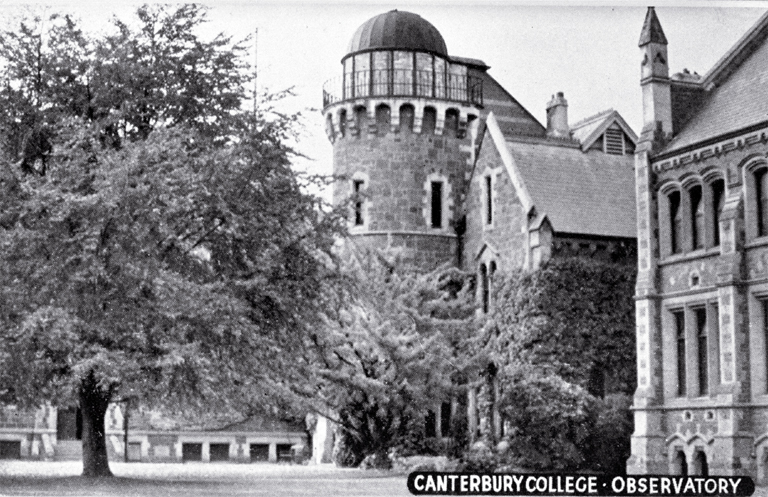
{"x":403,"y":83}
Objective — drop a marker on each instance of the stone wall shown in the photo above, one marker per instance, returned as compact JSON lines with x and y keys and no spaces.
{"x":725,"y":420}
{"x":397,"y":150}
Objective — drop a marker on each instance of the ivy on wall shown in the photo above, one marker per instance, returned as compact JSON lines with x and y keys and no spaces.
{"x":562,"y":343}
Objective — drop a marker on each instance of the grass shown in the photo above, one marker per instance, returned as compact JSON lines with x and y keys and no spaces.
{"x":196,"y":479}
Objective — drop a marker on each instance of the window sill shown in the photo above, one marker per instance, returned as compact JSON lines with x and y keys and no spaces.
{"x":692,"y":255}
{"x":760,"y":241}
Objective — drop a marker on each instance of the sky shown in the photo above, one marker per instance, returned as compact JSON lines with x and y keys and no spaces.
{"x":588,"y":50}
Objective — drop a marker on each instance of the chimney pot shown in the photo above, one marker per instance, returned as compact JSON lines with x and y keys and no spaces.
{"x":557,"y":116}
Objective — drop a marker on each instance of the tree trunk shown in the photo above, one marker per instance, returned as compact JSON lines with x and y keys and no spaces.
{"x":93,"y":406}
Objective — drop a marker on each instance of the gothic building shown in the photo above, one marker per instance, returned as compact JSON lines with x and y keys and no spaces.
{"x":407,"y":121}
{"x":443,"y":164}
{"x":702,"y":292}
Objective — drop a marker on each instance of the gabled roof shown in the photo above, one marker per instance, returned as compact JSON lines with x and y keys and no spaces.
{"x":578,"y":192}
{"x":736,"y":91}
{"x":588,"y":130}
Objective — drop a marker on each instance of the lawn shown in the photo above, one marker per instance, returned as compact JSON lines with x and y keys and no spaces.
{"x":196,"y":479}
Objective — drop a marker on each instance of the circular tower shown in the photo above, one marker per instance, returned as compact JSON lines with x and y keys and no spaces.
{"x":398,"y":119}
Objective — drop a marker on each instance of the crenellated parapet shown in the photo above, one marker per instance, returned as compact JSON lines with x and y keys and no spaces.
{"x":361,"y":118}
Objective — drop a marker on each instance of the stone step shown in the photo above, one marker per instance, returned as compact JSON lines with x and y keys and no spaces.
{"x":69,"y":450}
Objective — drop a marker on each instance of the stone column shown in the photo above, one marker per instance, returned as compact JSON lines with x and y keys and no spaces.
{"x":648,"y":439}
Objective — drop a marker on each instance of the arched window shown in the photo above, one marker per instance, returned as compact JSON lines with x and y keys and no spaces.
{"x":680,"y":465}
{"x":428,"y":121}
{"x":718,"y":202}
{"x":675,"y":222}
{"x":329,"y":124}
{"x":491,"y":273}
{"x":343,"y":121}
{"x":761,"y":196}
{"x":382,"y":119}
{"x":700,"y":465}
{"x":451,"y":125}
{"x":361,"y":121}
{"x":484,"y":288}
{"x":697,"y":217}
{"x":406,"y":118}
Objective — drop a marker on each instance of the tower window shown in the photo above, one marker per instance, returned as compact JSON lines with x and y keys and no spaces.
{"x":429,"y":121}
{"x":679,"y":317}
{"x":437,"y":205}
{"x":697,"y":217}
{"x":703,"y":356}
{"x":718,"y":202}
{"x":675,"y":222}
{"x":358,"y":187}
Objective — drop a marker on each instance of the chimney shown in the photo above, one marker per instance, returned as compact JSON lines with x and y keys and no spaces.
{"x":557,"y":116}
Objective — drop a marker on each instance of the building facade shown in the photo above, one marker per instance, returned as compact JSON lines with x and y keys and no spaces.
{"x":701,"y":172}
{"x":407,"y":121}
{"x":440,"y":163}
{"x":51,"y":433}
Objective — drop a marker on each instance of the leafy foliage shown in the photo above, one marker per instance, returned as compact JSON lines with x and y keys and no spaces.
{"x":151,"y":72}
{"x":574,"y":317}
{"x":563,"y":339}
{"x":393,"y":350}
{"x":165,"y":250}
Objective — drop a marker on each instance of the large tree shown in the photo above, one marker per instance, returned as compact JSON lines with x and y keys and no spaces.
{"x":166,"y":250}
{"x":393,"y":348}
{"x":149,"y":71}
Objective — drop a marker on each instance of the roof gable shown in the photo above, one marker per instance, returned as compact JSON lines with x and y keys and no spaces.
{"x":735,"y":98}
{"x":577,"y":192}
{"x":589,"y":130}
{"x":497,"y":137}
{"x":737,"y":53}
{"x":728,"y":101}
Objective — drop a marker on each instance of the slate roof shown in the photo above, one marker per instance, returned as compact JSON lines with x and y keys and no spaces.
{"x":582,"y":129}
{"x":513,"y":118}
{"x":581,"y":193}
{"x":739,"y":97}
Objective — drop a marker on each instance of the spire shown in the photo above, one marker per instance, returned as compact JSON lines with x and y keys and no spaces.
{"x":652,"y":32}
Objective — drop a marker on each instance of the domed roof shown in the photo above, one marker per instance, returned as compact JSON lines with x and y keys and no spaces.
{"x":397,"y":30}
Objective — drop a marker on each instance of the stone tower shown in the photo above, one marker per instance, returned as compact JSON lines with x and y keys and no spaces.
{"x":654,"y":75}
{"x":401,"y":119}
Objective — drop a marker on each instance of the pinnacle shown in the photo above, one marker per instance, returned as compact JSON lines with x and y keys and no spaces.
{"x":652,"y":32}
